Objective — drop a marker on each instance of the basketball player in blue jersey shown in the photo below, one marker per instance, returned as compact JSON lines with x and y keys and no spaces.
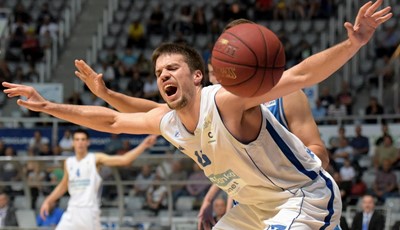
{"x":241,"y":147}
{"x":83,"y":182}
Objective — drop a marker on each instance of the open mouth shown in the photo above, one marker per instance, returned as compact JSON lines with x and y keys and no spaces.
{"x":170,"y":90}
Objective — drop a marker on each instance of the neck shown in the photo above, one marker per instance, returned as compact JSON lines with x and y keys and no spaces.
{"x":80,"y":156}
{"x":189,"y":115}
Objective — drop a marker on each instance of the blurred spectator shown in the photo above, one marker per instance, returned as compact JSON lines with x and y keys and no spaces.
{"x":197,"y":190}
{"x":183,"y":21}
{"x":385,"y":152}
{"x":385,"y":132}
{"x":135,"y":85}
{"x":343,"y":152}
{"x":7,"y":213}
{"x":113,"y":145}
{"x":126,"y":146}
{"x":45,"y":150}
{"x":313,"y":9}
{"x":36,"y":142}
{"x":297,"y":9}
{"x":347,"y":174}
{"x":359,"y":187}
{"x":220,"y":11}
{"x":45,"y":13}
{"x":45,"y":40}
{"x":49,"y":26}
{"x":128,"y":60}
{"x":334,"y":140}
{"x":374,"y":108}
{"x":52,"y":218}
{"x":164,"y":169}
{"x":263,"y":9}
{"x":360,"y":143}
{"x":150,"y":88}
{"x":177,"y":174}
{"x":326,"y":98}
{"x":20,"y":13}
{"x":32,"y":75}
{"x":144,"y":65}
{"x":143,"y":179}
{"x":199,"y":21}
{"x":10,"y":171}
{"x":236,"y":11}
{"x":385,"y":184}
{"x":219,"y":208}
{"x":368,"y":218}
{"x":215,"y":28}
{"x":136,"y":35}
{"x":35,"y":176}
{"x":387,"y":42}
{"x":345,"y":97}
{"x":31,"y":47}
{"x":156,"y":196}
{"x":155,"y":24}
{"x":318,"y":112}
{"x":281,"y":10}
{"x":65,"y":143}
{"x":336,"y":110}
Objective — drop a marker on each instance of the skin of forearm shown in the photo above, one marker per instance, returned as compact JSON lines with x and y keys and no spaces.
{"x":126,"y":104}
{"x":59,"y":191}
{"x":322,"y":65}
{"x":83,"y":115}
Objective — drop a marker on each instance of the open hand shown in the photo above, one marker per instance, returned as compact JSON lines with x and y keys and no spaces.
{"x":93,"y":80}
{"x":367,"y":20}
{"x":34,"y":101}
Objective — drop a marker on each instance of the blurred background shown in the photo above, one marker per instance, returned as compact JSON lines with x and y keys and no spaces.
{"x":357,"y":110}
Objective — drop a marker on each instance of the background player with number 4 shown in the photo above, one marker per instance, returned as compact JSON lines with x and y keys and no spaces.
{"x":83,"y":182}
{"x":276,"y":179}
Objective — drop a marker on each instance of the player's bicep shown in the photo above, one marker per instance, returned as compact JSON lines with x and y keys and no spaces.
{"x":139,"y":123}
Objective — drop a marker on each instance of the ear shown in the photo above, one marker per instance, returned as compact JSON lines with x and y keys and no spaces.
{"x":197,"y":77}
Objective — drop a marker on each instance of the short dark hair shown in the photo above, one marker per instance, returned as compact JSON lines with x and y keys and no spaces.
{"x":238,"y":22}
{"x":192,"y":57}
{"x":79,"y":130}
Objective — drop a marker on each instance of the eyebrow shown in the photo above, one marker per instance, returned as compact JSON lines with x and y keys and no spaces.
{"x":158,"y":71}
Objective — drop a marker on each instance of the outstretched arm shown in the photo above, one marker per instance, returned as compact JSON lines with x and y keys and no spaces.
{"x":320,"y":66}
{"x":119,"y":101}
{"x":94,"y":117}
{"x":58,"y":191}
{"x":127,"y":158}
{"x":205,"y":217}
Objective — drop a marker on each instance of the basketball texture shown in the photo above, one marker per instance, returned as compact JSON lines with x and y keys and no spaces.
{"x":248,"y":60}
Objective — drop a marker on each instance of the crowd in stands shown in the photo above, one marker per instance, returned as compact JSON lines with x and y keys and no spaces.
{"x":31,"y":34}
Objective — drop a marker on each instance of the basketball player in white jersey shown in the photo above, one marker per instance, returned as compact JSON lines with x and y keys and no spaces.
{"x":285,"y":110}
{"x":241,"y":147}
{"x":83,"y":182}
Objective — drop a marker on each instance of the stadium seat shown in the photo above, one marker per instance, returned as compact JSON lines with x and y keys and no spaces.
{"x":185,"y":203}
{"x":26,"y":218}
{"x":21,"y":202}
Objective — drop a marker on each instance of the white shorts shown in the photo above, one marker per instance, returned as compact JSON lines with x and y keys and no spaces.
{"x":80,"y":218}
{"x":316,"y":206}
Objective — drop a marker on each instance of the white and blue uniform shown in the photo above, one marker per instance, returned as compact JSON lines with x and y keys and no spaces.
{"x":278,"y":182}
{"x":84,"y":186}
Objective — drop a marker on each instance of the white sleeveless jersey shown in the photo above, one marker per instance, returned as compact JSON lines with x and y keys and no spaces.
{"x":84,"y":185}
{"x":271,"y":167}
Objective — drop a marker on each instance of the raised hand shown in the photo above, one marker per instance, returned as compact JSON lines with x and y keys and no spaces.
{"x":93,"y":80}
{"x":34,"y":101}
{"x":149,"y":140}
{"x":367,"y":20}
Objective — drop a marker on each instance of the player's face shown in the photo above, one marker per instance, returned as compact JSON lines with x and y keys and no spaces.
{"x":81,"y":143}
{"x":174,"y":80}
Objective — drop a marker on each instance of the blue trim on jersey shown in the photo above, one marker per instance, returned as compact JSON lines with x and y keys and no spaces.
{"x":282,"y":116}
{"x":330,"y":203}
{"x":288,"y":152}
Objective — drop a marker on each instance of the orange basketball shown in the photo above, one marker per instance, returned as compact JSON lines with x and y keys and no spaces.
{"x":248,"y":59}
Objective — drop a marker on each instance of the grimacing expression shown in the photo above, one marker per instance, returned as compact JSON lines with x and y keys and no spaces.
{"x":174,"y":80}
